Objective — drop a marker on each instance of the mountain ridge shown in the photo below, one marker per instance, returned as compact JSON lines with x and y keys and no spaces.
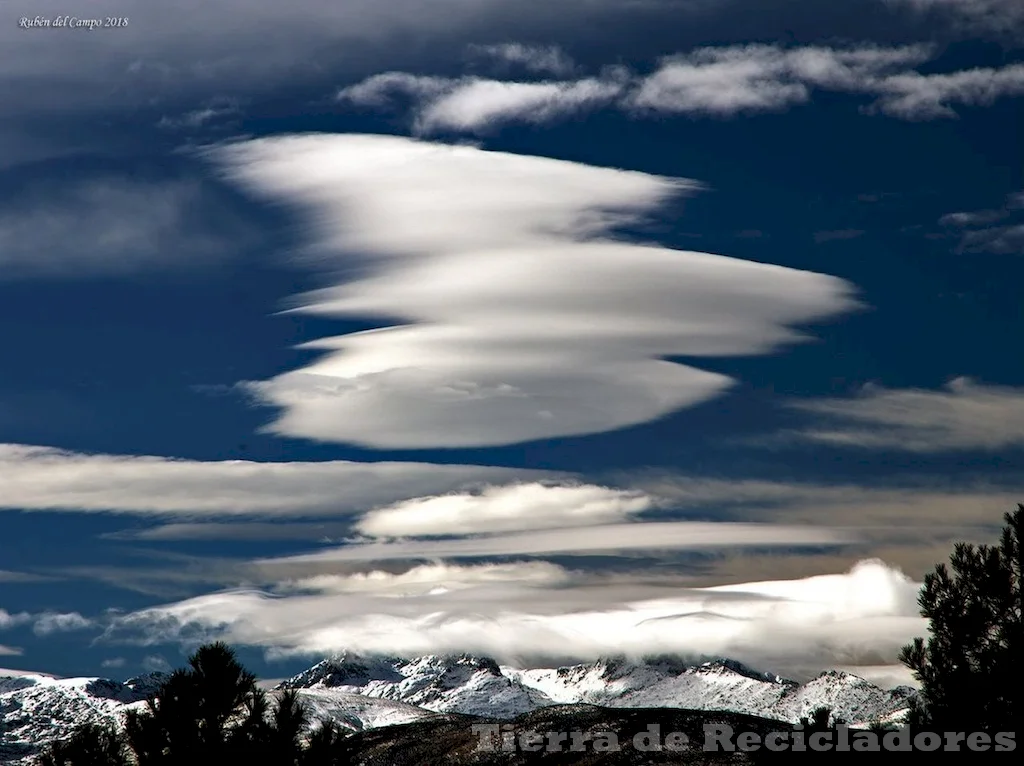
{"x":365,"y":692}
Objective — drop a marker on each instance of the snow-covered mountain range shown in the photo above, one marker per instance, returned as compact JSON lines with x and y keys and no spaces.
{"x":362,"y":692}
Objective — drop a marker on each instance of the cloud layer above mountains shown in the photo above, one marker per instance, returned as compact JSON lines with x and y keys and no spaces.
{"x":524,"y":610}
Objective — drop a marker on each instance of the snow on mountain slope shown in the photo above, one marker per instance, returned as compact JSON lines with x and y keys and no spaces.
{"x":463,"y":684}
{"x":37,"y":709}
{"x":476,"y":685}
{"x":357,"y":712}
{"x":372,"y":692}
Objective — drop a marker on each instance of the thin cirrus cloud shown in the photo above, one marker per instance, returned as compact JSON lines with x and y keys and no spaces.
{"x":965,"y":415}
{"x":720,"y":82}
{"x":526,"y":609}
{"x":609,"y":539}
{"x":43,"y":478}
{"x":989,"y":230}
{"x":519,"y":317}
{"x":539,"y":59}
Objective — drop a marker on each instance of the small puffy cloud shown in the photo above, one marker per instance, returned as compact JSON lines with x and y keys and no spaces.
{"x":515,"y":507}
{"x":114,"y":662}
{"x":860,"y":617}
{"x":42,"y":478}
{"x":155,"y":662}
{"x":57,"y":622}
{"x":479,"y":254}
{"x":538,"y":59}
{"x":965,"y":415}
{"x":45,"y":623}
{"x":115,"y":226}
{"x":9,"y":620}
{"x":11,"y":651}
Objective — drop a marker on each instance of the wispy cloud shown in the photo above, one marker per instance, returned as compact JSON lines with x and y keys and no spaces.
{"x":42,"y":478}
{"x":539,"y":59}
{"x":610,"y":539}
{"x":720,"y":82}
{"x":214,"y":113}
{"x":503,"y":342}
{"x":983,"y":230}
{"x":1001,"y":16}
{"x":477,"y":104}
{"x":965,"y":415}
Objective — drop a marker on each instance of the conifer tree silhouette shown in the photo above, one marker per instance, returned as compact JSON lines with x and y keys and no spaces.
{"x":208,"y":714}
{"x":971,"y":665}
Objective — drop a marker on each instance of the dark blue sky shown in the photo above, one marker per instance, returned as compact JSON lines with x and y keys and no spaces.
{"x":124,"y":336}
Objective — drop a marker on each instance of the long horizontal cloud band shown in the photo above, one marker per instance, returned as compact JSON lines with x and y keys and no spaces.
{"x":521,"y":319}
{"x":516,"y":610}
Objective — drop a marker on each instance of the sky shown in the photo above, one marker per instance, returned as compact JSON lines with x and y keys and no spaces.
{"x":540,"y":331}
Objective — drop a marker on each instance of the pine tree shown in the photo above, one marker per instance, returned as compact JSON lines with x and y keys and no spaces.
{"x":970,"y":667}
{"x":91,"y":745}
{"x":207,"y":714}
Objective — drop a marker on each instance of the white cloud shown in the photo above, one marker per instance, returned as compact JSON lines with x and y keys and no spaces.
{"x":966,"y":415}
{"x":475,"y":104}
{"x":524,"y":320}
{"x":861,"y":617}
{"x":718,"y":81}
{"x":514,"y":507}
{"x":430,"y":578}
{"x":380,"y":89}
{"x":11,"y":651}
{"x":42,"y":478}
{"x":9,"y":620}
{"x":914,"y":96}
{"x":60,"y":622}
{"x":114,"y":662}
{"x":45,"y":623}
{"x":609,"y":539}
{"x":542,"y":59}
{"x":115,"y":226}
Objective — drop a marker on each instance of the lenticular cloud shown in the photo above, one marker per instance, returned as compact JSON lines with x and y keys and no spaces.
{"x":510,"y":312}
